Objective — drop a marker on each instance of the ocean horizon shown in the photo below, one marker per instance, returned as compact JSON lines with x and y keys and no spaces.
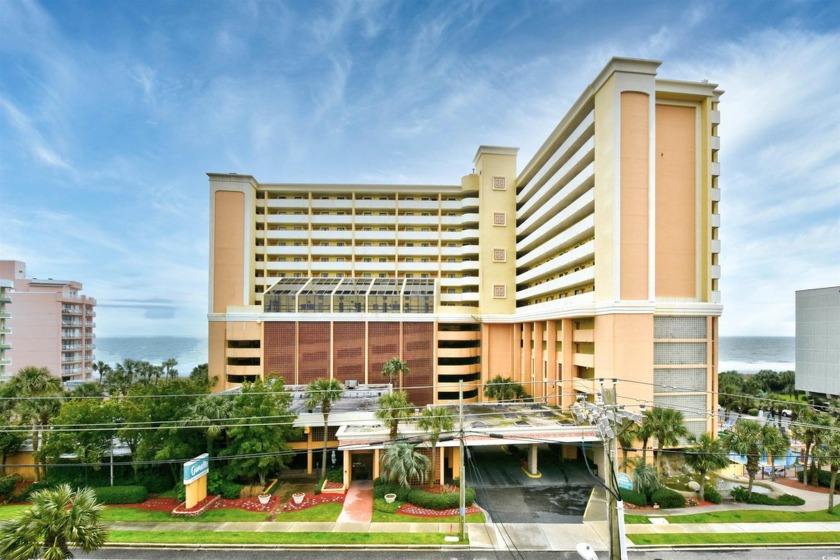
{"x":745,"y":354}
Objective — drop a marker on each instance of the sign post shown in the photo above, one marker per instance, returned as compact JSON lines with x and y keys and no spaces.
{"x":195,"y":479}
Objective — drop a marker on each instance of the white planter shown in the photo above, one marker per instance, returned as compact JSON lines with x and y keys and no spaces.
{"x":264,"y":498}
{"x":298,"y":498}
{"x":390,"y":498}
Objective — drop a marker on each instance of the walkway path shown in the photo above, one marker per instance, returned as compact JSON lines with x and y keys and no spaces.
{"x":358,"y":503}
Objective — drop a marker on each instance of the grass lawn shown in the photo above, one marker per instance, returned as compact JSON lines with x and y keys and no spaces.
{"x":382,"y":517}
{"x":735,"y":538}
{"x":323,"y":512}
{"x":10,"y":512}
{"x":743,"y":516}
{"x":274,"y":538}
{"x":217,"y":515}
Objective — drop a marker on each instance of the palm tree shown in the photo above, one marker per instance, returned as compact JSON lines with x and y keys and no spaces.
{"x":37,"y":382}
{"x":435,"y":420}
{"x":646,"y":481}
{"x":210,"y":413}
{"x":394,"y":407}
{"x":829,"y":453}
{"x":324,"y":392}
{"x":706,"y":455}
{"x":626,"y":435}
{"x":169,"y":368}
{"x":808,"y":428}
{"x":102,"y":369}
{"x":751,"y":439}
{"x":667,"y":426}
{"x":644,"y":434}
{"x":59,"y":519}
{"x":401,"y":463}
{"x":504,"y":389}
{"x":396,"y":367}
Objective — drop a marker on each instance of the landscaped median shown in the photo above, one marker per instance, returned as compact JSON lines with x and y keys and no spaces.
{"x":274,"y":538}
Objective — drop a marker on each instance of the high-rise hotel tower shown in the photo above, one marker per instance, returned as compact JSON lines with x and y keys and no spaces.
{"x":597,"y":259}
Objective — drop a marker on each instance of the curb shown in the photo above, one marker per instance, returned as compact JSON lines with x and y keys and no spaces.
{"x":210,"y":546}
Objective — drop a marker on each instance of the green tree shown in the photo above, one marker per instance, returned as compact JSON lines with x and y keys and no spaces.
{"x":40,"y":404}
{"x":68,"y":435}
{"x":102,"y":369}
{"x":829,"y":454}
{"x":394,"y":407}
{"x":751,"y":439}
{"x":667,"y":426}
{"x":323,"y":392}
{"x":707,"y":455}
{"x":504,"y":389}
{"x":258,"y":439}
{"x":122,"y":377}
{"x":60,"y":519}
{"x":86,"y":390}
{"x":808,"y":428}
{"x":434,"y":421}
{"x":402,"y":463}
{"x":12,"y":438}
{"x":200,"y":374}
{"x":129,"y":414}
{"x":396,"y":367}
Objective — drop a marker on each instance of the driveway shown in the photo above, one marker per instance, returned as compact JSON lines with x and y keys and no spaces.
{"x":503,"y":489}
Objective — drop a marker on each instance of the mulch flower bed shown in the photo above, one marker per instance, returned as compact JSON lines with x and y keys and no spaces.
{"x":314,"y":500}
{"x":794,"y":483}
{"x":329,"y":485}
{"x":411,"y":509}
{"x":169,"y":504}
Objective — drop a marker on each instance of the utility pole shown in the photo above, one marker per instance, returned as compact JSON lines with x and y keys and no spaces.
{"x":605,"y":417}
{"x":462,"y":487}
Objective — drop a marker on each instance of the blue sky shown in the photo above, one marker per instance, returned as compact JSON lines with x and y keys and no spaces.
{"x":111,"y":113}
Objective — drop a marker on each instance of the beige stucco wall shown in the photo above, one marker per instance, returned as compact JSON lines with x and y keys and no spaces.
{"x":676,"y":202}
{"x":228,"y":250}
{"x":605,"y":151}
{"x":624,"y":350}
{"x":635,"y":145}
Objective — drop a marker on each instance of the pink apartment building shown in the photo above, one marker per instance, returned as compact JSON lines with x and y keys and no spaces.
{"x":48,"y":323}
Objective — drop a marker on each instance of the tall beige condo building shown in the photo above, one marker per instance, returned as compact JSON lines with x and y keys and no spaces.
{"x":47,"y":323}
{"x":6,"y":287}
{"x":597,"y":258}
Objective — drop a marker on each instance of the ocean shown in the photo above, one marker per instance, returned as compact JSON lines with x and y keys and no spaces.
{"x":746,"y":354}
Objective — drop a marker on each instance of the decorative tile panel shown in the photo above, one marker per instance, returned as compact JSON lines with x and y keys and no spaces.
{"x":499,"y":219}
{"x":499,"y":291}
{"x":499,"y":183}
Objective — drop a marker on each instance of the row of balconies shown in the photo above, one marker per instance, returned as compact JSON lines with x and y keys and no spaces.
{"x":362,"y":235}
{"x":432,"y":250}
{"x":362,"y":204}
{"x":564,"y":182}
{"x":362,"y":220}
{"x":583,"y":206}
{"x":317,"y":266}
{"x":582,"y":182}
{"x":579,"y":278}
{"x":584,"y":253}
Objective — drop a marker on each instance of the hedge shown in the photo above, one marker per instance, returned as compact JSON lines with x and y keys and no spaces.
{"x":740,"y":495}
{"x":632,"y":497}
{"x":121,"y":494}
{"x":451,"y":500}
{"x":823,"y":477}
{"x":711,"y":493}
{"x":382,"y":488}
{"x":667,"y":498}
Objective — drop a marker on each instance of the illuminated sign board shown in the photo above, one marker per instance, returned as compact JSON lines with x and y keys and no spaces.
{"x":195,"y":469}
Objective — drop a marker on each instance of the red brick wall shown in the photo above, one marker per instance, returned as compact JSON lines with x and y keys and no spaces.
{"x":383,"y":344}
{"x":418,"y":352}
{"x":349,"y":351}
{"x":280,"y":349}
{"x":314,"y":354}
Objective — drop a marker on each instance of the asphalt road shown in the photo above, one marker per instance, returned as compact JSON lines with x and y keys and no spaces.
{"x":560,"y":495}
{"x":239,"y":554}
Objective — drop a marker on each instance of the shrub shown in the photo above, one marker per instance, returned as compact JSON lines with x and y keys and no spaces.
{"x":667,"y":498}
{"x":712,"y":494}
{"x":335,"y":475}
{"x":823,"y":477}
{"x":740,"y":495}
{"x":121,"y":494}
{"x":383,"y":488}
{"x":7,"y":484}
{"x":633,"y":497}
{"x":181,"y":492}
{"x":34,"y":487}
{"x":218,"y":485}
{"x":451,"y":500}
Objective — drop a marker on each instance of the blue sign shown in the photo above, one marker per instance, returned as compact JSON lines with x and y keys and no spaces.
{"x":624,"y":481}
{"x":195,"y":469}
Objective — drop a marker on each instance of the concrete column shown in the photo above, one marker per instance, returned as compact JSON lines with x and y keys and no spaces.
{"x":348,"y":469}
{"x":308,"y":450}
{"x":376,"y":473}
{"x":456,"y":462}
{"x":532,"y":459}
